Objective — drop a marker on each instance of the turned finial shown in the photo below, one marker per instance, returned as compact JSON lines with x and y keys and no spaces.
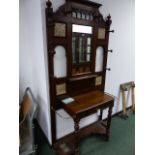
{"x":109,"y":17}
{"x":48,"y":4}
{"x":108,"y":20}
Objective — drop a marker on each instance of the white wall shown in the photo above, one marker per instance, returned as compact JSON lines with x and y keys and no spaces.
{"x":122,"y":60}
{"x":33,"y":64}
{"x":32,"y":70}
{"x":25,"y":63}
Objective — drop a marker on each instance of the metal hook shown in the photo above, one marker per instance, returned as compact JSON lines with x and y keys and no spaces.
{"x":110,"y":51}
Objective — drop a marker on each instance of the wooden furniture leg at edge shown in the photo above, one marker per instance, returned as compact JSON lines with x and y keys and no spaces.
{"x":124,"y":103}
{"x":133,"y":99}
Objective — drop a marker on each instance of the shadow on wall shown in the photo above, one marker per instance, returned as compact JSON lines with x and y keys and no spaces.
{"x":41,"y":116}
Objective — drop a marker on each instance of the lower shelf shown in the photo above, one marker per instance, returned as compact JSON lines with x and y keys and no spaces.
{"x":65,"y":145}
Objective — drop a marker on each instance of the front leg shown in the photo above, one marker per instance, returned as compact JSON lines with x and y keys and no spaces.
{"x":101,"y":113}
{"x":108,"y":123}
{"x":76,"y":136}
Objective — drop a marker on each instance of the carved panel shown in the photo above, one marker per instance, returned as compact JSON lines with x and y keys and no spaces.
{"x":98,"y":81}
{"x":60,"y":89}
{"x":101,"y":33}
{"x":59,"y":30}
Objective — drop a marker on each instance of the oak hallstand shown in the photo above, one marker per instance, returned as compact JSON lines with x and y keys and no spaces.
{"x":80,"y":29}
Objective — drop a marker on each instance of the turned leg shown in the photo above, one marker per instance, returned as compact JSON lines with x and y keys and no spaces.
{"x":101,"y":113}
{"x":108,"y":123}
{"x":76,"y":127}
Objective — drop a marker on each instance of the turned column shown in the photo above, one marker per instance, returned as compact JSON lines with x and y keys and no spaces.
{"x":76,"y":136}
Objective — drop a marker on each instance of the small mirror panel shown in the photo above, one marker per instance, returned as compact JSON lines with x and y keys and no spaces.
{"x":60,"y":62}
{"x":82,"y":29}
{"x":99,"y":59}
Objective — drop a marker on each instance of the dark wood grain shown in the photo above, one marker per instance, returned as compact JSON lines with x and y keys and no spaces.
{"x":87,"y":103}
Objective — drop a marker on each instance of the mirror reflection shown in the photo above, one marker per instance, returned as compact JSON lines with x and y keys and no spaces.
{"x":81,"y":47}
{"x":99,"y":59}
{"x":60,"y":68}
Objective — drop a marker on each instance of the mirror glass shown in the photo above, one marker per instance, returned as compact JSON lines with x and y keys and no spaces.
{"x":81,"y":48}
{"x":60,"y":62}
{"x":99,"y":59}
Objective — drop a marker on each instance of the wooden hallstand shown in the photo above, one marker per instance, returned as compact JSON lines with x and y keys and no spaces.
{"x":83,"y":83}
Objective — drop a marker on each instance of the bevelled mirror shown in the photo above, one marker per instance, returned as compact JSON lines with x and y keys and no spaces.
{"x":81,"y":49}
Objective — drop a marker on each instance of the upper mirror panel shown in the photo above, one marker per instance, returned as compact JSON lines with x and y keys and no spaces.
{"x":82,"y":29}
{"x":81,"y":49}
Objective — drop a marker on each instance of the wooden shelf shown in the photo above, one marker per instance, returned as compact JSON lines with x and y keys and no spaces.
{"x":82,"y":77}
{"x":68,"y":141}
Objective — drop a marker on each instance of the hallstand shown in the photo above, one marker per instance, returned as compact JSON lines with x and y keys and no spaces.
{"x":78,"y":34}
